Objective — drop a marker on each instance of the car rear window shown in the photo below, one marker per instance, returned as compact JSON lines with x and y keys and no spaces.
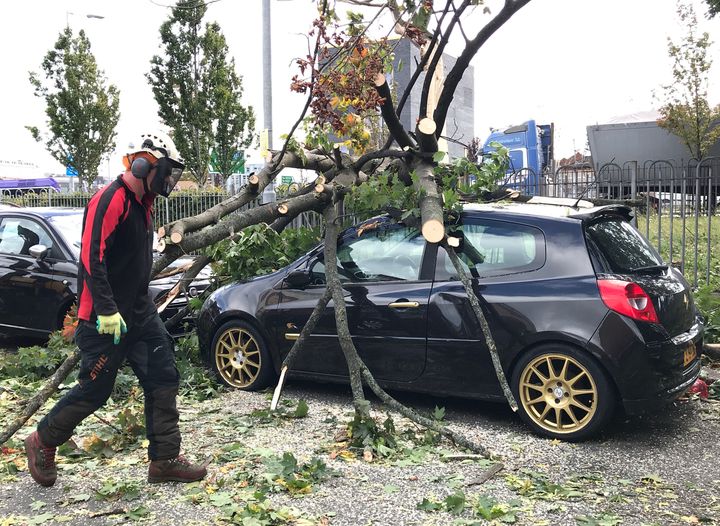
{"x":620,"y":247}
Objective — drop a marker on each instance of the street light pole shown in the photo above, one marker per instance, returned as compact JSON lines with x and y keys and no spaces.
{"x":269,"y":192}
{"x":267,"y":71}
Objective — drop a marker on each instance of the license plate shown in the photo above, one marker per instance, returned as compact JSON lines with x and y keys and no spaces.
{"x":689,"y":354}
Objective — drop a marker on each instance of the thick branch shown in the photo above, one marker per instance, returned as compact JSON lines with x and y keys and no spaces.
{"x":228,"y":226}
{"x":453,"y":78}
{"x":489,"y":340}
{"x":436,"y":55}
{"x":341,"y":324}
{"x":379,"y":154}
{"x":388,"y":113}
{"x":431,"y":210}
{"x":248,"y":193}
{"x":425,"y":132}
{"x":357,"y":369}
{"x":423,"y":61}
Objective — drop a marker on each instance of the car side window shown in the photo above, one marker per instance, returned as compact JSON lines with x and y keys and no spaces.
{"x":17,"y":235}
{"x":494,"y":248}
{"x":386,"y":253}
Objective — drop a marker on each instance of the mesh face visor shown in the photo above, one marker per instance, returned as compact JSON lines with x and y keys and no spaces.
{"x":167,"y":176}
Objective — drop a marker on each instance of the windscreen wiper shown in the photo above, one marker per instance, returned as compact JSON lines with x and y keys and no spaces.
{"x":649,"y":269}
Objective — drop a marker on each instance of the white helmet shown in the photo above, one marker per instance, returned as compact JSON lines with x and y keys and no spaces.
{"x":160,"y":145}
{"x":168,"y":166}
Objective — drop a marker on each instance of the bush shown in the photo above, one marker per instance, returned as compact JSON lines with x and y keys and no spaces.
{"x":707,"y":299}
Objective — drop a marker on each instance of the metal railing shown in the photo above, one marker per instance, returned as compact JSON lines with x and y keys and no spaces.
{"x":178,"y":206}
{"x":679,"y":205}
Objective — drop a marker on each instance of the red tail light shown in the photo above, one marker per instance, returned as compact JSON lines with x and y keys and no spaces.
{"x":627,"y":298}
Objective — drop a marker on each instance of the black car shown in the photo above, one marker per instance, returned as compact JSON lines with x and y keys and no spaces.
{"x":39,"y":251}
{"x":585,"y":314}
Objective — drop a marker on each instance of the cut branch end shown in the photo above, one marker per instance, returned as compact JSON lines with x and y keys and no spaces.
{"x":433,"y":231}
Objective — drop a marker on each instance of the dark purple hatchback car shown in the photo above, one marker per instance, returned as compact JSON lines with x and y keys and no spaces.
{"x":585,"y":314}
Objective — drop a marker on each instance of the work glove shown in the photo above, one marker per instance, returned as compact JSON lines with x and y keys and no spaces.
{"x":112,"y":324}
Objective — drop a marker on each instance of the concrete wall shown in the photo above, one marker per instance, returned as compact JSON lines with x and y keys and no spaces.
{"x":460,"y":121}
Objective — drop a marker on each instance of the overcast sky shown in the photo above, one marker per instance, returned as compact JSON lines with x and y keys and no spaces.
{"x":571,"y":62}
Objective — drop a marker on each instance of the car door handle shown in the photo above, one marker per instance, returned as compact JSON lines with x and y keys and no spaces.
{"x":404,"y":305}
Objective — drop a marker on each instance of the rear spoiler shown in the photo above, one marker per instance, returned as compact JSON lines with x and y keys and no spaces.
{"x":585,"y":209}
{"x":587,"y":214}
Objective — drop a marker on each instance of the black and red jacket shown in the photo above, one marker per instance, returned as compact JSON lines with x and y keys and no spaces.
{"x":116,"y":255}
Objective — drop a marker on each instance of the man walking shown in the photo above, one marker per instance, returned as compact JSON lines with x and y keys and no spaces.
{"x":118,"y":320}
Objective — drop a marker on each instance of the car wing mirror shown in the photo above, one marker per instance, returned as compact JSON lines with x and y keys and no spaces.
{"x":298,"y":279}
{"x":39,"y":252}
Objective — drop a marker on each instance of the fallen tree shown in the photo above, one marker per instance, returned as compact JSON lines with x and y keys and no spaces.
{"x":344,"y":87}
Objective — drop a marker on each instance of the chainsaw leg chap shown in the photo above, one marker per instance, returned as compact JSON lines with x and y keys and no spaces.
{"x":161,"y":421}
{"x":100,"y":360}
{"x":153,"y":361}
{"x":150,"y":351}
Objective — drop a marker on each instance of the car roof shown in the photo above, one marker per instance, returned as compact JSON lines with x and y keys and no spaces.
{"x":551,"y":207}
{"x":44,"y":211}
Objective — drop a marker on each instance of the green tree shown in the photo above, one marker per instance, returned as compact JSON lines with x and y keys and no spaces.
{"x":713,"y":7}
{"x":234,"y":124}
{"x":82,"y":109}
{"x":197,"y":89}
{"x":686,"y":111}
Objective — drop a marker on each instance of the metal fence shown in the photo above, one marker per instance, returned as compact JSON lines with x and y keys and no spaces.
{"x":676,"y":203}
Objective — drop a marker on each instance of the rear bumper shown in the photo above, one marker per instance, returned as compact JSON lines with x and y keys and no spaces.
{"x":648,"y":375}
{"x":664,"y":397}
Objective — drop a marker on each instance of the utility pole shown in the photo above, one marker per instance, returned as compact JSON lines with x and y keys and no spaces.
{"x":269,"y":192}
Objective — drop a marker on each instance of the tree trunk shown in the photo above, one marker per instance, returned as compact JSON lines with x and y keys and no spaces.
{"x":332,"y":278}
{"x":357,"y":368}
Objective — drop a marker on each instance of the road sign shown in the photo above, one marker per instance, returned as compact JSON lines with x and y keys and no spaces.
{"x":70,"y":171}
{"x":238,"y":162}
{"x":286,"y":179}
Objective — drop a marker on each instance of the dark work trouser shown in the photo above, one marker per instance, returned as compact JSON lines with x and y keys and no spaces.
{"x":150,"y":351}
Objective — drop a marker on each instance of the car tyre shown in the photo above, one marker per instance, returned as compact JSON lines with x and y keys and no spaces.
{"x":562,"y":392}
{"x":240,"y":358}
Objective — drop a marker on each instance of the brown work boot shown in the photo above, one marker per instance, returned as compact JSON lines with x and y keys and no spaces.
{"x":41,"y":460}
{"x":177,"y":469}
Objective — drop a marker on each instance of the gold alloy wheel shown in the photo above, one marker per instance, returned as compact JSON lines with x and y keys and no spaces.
{"x":558,"y":393}
{"x":237,"y":357}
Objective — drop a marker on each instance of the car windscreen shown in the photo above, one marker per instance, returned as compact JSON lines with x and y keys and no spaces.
{"x":70,"y":228}
{"x":620,"y":247}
